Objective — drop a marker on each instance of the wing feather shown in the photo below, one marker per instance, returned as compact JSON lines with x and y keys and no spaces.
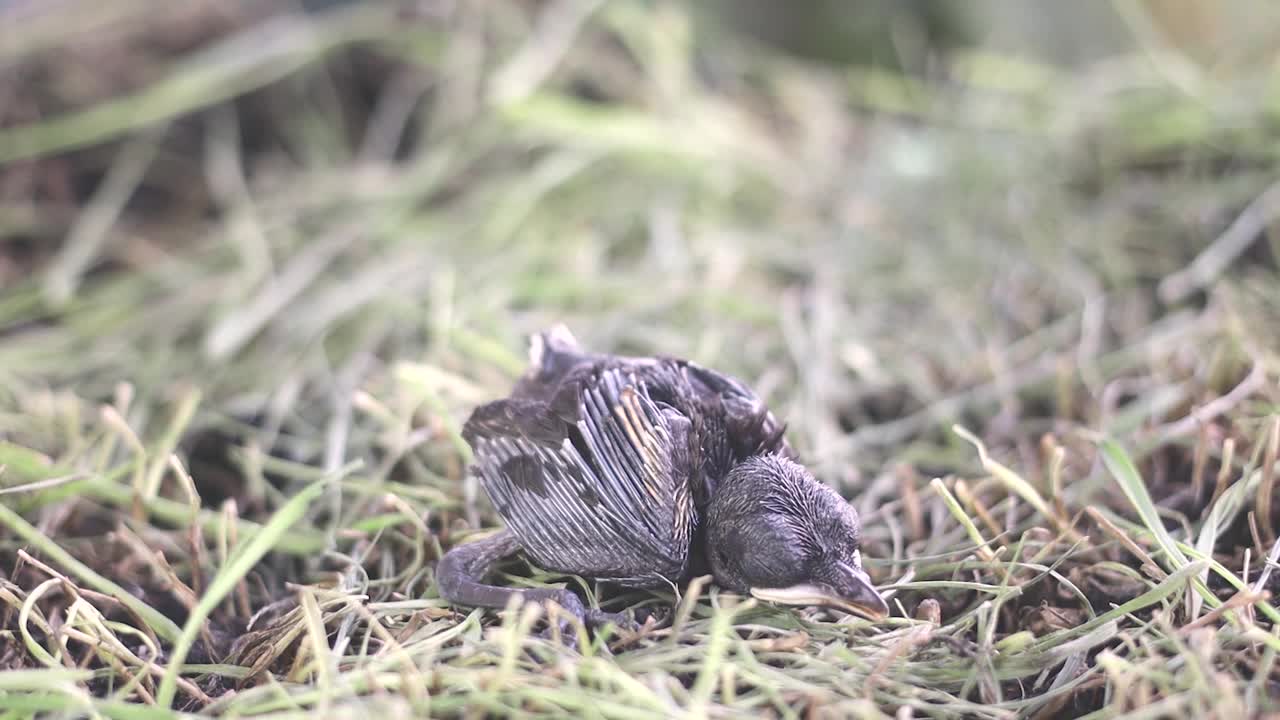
{"x":604,"y":493}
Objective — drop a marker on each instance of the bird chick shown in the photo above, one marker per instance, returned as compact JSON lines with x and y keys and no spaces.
{"x":645,"y":472}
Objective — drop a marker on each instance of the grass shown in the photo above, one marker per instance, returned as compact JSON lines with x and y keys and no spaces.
{"x":256,"y":274}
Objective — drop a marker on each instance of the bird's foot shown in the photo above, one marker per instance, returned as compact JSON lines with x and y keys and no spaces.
{"x":598,"y":619}
{"x":570,"y":613}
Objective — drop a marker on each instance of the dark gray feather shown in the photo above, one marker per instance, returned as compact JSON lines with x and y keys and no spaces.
{"x":602,"y":491}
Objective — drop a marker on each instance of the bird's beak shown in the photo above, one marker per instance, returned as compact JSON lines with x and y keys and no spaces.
{"x":845,"y":587}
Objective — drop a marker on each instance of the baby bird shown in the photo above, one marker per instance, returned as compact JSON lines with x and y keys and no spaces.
{"x":645,"y":472}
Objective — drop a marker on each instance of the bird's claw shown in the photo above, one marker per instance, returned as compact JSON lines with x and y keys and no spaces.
{"x":569,"y":608}
{"x":597,"y":619}
{"x":650,"y":617}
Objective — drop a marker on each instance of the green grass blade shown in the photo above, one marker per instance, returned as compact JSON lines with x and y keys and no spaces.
{"x":1130,"y":482}
{"x":45,"y":679}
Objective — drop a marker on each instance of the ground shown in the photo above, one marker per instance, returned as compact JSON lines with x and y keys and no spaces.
{"x":257,"y":266}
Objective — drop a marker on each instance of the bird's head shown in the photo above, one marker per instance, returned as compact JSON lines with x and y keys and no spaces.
{"x":777,"y":533}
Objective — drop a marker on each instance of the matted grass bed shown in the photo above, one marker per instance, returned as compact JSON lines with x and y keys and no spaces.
{"x":258,"y":265}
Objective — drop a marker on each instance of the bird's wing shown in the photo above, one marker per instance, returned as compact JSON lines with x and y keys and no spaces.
{"x":750,"y":428}
{"x":595,"y":482}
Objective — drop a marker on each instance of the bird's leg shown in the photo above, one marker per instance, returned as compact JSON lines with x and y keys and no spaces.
{"x":462,"y":570}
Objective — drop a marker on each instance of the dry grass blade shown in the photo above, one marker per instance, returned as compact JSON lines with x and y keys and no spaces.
{"x":1267,"y":486}
{"x":1018,"y":485}
{"x":161,"y":625}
